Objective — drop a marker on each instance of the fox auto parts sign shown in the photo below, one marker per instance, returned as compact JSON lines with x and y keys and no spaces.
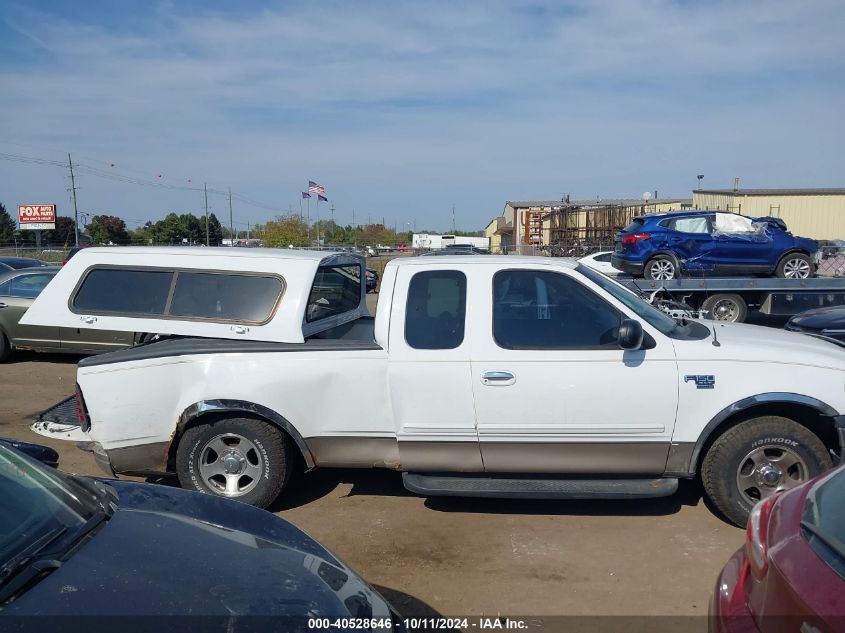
{"x":37,"y":216}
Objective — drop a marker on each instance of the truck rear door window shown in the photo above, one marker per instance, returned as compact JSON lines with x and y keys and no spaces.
{"x":436,"y":310}
{"x":225,"y":297}
{"x":124,"y":291}
{"x":336,"y":289}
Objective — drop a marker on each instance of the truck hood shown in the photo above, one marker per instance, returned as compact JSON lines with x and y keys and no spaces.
{"x":742,"y":342}
{"x":167,"y":552}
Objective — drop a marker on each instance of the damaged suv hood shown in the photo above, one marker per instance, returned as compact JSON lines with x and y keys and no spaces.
{"x":166,"y":551}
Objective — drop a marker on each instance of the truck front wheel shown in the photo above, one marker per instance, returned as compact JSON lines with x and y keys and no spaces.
{"x":757,"y":458}
{"x":237,"y":458}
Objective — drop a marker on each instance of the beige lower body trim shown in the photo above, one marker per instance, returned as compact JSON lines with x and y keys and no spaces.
{"x":577,"y":458}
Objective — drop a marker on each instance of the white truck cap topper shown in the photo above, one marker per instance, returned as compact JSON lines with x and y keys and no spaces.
{"x":284,"y":277}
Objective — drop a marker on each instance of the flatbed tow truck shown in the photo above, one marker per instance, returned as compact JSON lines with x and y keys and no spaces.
{"x":732,"y":298}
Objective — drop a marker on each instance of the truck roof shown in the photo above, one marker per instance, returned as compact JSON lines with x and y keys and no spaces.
{"x":199,"y":251}
{"x":490,"y":260}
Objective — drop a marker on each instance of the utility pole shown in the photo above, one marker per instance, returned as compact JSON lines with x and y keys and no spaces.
{"x":75,"y":210}
{"x":332,"y":211}
{"x":231,"y":221}
{"x":247,"y":231}
{"x":354,"y":230}
{"x":453,"y":219}
{"x":205,"y":192}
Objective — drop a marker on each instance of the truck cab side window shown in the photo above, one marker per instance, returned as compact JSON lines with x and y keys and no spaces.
{"x":536,"y":309}
{"x":436,"y":310}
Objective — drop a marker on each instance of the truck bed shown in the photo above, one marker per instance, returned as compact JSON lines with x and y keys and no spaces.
{"x":355,"y":335}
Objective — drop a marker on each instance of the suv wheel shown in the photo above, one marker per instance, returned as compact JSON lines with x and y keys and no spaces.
{"x":795,"y":266}
{"x":757,"y":458}
{"x":660,"y":268}
{"x":5,"y":348}
{"x":237,"y":458}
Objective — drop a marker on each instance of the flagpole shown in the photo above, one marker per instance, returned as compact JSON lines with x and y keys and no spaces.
{"x":318,"y":221}
{"x":309,"y":220}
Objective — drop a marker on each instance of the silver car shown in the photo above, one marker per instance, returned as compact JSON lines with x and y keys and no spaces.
{"x":18,"y":289}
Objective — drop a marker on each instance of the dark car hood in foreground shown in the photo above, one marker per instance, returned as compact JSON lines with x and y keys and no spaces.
{"x":820,"y":319}
{"x":166,"y":551}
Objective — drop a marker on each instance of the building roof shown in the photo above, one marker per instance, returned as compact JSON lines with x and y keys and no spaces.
{"x":600,"y":202}
{"x":773,"y":192}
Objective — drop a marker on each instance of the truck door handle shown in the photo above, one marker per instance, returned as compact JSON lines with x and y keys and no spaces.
{"x":88,"y":319}
{"x":498,"y":378}
{"x":3,"y":305}
{"x":239,"y":329}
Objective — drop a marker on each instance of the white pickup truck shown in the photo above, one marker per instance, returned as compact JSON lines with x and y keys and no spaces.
{"x":479,"y":376}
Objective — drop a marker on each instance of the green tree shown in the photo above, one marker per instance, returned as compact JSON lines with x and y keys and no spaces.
{"x":107,"y":229}
{"x":215,"y":231}
{"x":142,"y":235}
{"x":8,"y":226}
{"x":167,"y":231}
{"x":285,"y":231}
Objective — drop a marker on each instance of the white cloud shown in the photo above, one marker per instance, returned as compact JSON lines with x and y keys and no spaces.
{"x":404,"y":109}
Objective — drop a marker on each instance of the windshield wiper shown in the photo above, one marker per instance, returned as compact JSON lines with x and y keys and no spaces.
{"x":832,"y":543}
{"x":104,"y":495}
{"x":30,"y":567}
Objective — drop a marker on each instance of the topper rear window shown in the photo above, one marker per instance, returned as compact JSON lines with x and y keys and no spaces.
{"x":179,"y":294}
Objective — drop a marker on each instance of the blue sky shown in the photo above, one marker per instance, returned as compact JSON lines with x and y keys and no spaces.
{"x":403,"y":109}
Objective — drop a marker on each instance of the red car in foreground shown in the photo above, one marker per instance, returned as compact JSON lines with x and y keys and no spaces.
{"x":790,"y":576}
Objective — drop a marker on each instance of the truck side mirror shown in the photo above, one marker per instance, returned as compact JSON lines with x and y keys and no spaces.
{"x":630,"y":334}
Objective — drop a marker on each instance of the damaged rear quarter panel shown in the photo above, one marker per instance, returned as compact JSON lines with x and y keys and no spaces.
{"x":319,"y":393}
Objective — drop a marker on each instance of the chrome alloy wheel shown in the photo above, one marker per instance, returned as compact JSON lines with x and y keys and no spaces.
{"x":663,"y":269}
{"x":230,"y":464}
{"x":725,"y":310}
{"x":769,"y":469}
{"x":796,"y":268}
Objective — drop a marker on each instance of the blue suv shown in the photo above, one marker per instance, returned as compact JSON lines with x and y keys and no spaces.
{"x":669,"y":245}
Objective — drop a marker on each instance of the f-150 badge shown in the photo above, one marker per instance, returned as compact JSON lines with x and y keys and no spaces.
{"x":702,"y":382}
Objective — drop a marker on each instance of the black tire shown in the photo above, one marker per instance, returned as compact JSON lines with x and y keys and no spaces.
{"x":259,"y":446}
{"x":5,"y":348}
{"x":664,"y":266}
{"x":728,"y":459}
{"x":795,"y":266}
{"x":729,"y":308}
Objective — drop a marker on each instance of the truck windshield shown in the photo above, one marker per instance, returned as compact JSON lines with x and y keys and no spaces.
{"x":654,"y":317}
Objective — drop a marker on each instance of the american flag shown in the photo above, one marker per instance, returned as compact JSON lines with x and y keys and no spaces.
{"x":321,"y":198}
{"x":305,"y":194}
{"x":313,"y":187}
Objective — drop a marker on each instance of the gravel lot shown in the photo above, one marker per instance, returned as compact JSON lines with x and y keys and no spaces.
{"x":467,"y":557}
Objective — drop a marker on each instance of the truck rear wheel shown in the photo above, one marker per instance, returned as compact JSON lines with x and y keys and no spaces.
{"x":757,"y":458}
{"x":236,"y":458}
{"x":730,"y":308}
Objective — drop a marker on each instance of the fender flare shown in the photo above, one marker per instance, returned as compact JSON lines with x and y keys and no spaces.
{"x":219,"y":406}
{"x":683,"y":457}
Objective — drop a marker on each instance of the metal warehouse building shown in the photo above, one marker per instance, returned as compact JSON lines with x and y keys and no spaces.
{"x":816,"y":213}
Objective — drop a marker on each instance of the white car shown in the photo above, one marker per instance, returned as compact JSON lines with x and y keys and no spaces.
{"x":601,"y":262}
{"x":495,"y":376}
